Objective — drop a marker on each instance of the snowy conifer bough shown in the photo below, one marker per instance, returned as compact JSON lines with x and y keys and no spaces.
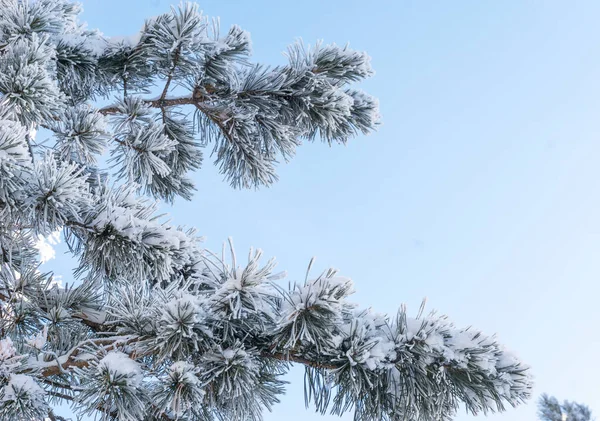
{"x":156,"y":327}
{"x":549,"y":409}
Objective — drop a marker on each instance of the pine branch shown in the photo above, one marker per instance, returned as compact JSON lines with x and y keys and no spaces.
{"x":109,"y":344}
{"x":158,"y":317}
{"x":70,"y":360}
{"x":88,"y":320}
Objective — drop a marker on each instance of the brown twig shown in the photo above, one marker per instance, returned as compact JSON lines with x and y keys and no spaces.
{"x":128,"y":145}
{"x":154,"y":103}
{"x":72,"y":360}
{"x":297,"y":359}
{"x":176,"y":57}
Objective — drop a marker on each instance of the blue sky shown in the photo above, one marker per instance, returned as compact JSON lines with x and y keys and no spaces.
{"x":480,"y":191}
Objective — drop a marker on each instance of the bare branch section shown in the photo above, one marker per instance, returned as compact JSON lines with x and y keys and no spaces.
{"x":176,"y":58}
{"x":155,"y":103}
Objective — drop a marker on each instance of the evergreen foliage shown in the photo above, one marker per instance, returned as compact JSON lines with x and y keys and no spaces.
{"x":549,"y":409}
{"x":156,"y":327}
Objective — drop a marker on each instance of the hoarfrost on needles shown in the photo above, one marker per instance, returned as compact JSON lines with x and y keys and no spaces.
{"x":118,"y":364}
{"x":155,"y":325}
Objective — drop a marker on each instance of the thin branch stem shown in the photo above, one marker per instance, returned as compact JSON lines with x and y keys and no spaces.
{"x":220,"y":124}
{"x":128,"y":145}
{"x":58,"y":385}
{"x":176,"y":57}
{"x":154,"y":103}
{"x":60,"y":395}
{"x":125,"y":85}
{"x":29,"y":146}
{"x":297,"y":359}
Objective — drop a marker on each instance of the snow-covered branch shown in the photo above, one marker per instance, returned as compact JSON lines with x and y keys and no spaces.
{"x":154,"y":326}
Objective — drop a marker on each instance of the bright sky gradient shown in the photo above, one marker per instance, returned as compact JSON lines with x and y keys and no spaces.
{"x":480,"y":191}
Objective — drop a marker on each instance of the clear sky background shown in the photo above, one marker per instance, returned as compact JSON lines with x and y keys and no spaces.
{"x":480,"y":190}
